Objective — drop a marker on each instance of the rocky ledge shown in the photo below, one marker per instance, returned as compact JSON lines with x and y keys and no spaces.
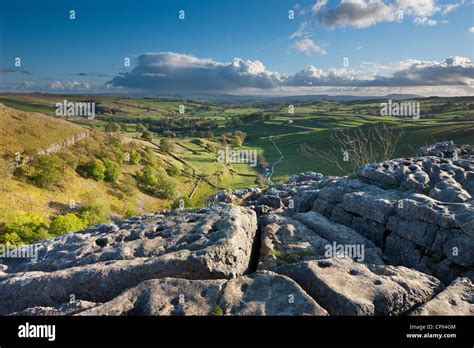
{"x":396,"y":238}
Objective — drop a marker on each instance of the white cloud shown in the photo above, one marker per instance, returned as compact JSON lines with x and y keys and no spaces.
{"x":180,"y":72}
{"x":418,"y":8}
{"x":313,"y":76}
{"x":56,"y":85}
{"x":318,"y":5}
{"x":365,"y":13}
{"x":471,"y":30}
{"x":308,"y":46}
{"x":173,"y":72}
{"x":356,"y":13}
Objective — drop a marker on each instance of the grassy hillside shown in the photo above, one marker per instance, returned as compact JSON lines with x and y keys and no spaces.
{"x":25,"y":132}
{"x":62,"y":189}
{"x":174,"y":155}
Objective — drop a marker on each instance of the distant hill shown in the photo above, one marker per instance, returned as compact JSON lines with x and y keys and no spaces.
{"x":293,"y":98}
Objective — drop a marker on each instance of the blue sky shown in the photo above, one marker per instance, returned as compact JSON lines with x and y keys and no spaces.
{"x":351,"y":46}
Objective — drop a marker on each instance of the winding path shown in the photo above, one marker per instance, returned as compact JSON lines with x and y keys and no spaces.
{"x":276,"y":162}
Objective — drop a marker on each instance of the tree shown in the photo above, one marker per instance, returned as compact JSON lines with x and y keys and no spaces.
{"x":166,"y":188}
{"x":148,"y":176}
{"x":147,"y":135}
{"x":140,"y":128}
{"x":135,"y":157}
{"x":12,"y":239}
{"x":123,"y":127}
{"x":112,"y":170}
{"x":46,"y":171}
{"x":149,"y":158}
{"x":173,"y":171}
{"x":241,"y":135}
{"x":66,"y":223}
{"x":166,"y":145}
{"x":94,"y":214}
{"x":112,"y":127}
{"x":28,"y":227}
{"x":358,"y":146}
{"x":94,"y":169}
{"x":236,"y":141}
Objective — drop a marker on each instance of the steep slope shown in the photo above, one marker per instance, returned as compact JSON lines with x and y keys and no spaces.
{"x":29,"y":132}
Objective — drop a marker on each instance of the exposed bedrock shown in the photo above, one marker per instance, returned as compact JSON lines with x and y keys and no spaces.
{"x":395,"y":238}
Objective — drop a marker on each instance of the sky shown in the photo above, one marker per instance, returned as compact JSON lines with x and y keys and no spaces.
{"x":274,"y":47}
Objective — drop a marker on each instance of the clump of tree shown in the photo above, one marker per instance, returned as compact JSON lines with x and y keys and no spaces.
{"x":28,"y":228}
{"x":253,"y":117}
{"x":147,"y":135}
{"x":102,"y":169}
{"x":24,"y":228}
{"x":66,"y":223}
{"x":351,"y":149}
{"x":112,"y":127}
{"x":112,"y":170}
{"x":149,"y":158}
{"x":155,"y":181}
{"x":135,"y":157}
{"x":140,"y":128}
{"x":94,"y":169}
{"x":166,"y":146}
{"x":46,"y":171}
{"x":236,"y":138}
{"x":174,"y":124}
{"x":93,"y":214}
{"x":173,"y":171}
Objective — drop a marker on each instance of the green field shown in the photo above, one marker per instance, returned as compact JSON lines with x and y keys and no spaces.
{"x":182,"y":149}
{"x":311,"y":123}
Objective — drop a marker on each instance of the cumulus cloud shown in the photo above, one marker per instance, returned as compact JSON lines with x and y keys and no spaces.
{"x":309,"y":47}
{"x":173,"y":72}
{"x":180,"y":72}
{"x":471,"y":30}
{"x":313,"y":76}
{"x":366,"y":13}
{"x":356,"y":13}
{"x":453,"y":71}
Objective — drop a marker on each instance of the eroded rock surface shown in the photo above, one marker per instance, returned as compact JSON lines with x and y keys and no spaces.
{"x":395,"y":238}
{"x":456,"y":299}
{"x":97,"y":264}
{"x":344,"y":287}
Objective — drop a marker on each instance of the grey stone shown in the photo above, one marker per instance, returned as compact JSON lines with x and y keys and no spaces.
{"x":214,"y":243}
{"x":344,"y":287}
{"x":456,"y":299}
{"x":376,"y":205}
{"x":266,"y":293}
{"x":286,"y":240}
{"x":167,"y":296}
